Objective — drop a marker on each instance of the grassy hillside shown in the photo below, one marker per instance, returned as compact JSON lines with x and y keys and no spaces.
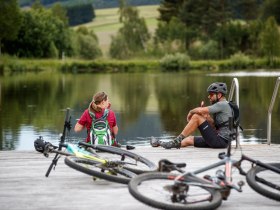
{"x":107,"y":23}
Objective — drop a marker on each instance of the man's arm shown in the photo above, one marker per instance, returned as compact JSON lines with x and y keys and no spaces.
{"x":203,"y":111}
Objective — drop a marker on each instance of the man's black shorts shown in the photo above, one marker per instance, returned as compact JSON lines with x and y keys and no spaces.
{"x":209,"y":137}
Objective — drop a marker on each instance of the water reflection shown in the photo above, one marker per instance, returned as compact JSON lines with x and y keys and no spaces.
{"x":146,"y":104}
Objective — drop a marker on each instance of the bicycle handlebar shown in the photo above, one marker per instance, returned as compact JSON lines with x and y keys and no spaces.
{"x":67,"y":126}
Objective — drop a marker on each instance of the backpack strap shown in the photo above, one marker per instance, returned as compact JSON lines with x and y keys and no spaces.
{"x":226,"y":123}
{"x":104,"y":116}
{"x":98,"y":132}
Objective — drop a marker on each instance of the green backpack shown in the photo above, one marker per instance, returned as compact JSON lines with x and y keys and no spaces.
{"x":100,"y":132}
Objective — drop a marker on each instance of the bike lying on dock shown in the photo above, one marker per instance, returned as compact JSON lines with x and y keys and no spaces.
{"x":101,"y":161}
{"x":167,"y":190}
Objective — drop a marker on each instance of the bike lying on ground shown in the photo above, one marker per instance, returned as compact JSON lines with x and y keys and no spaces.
{"x":101,"y":161}
{"x":167,"y":190}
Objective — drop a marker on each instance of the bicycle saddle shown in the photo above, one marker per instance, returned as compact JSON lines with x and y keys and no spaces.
{"x":165,"y":165}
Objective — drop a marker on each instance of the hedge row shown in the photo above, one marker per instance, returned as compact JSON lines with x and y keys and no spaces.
{"x":134,"y":66}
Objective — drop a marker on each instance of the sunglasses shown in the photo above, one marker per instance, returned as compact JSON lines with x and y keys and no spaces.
{"x":211,"y":94}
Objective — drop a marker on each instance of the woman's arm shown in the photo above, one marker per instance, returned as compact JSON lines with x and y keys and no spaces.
{"x":115,"y":130}
{"x":78,"y":127}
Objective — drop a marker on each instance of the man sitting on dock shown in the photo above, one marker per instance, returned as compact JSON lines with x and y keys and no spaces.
{"x":214,"y":130}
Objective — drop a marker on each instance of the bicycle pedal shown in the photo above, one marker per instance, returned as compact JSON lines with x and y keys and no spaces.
{"x":241,"y":183}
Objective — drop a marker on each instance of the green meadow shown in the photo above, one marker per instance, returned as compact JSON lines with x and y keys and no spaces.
{"x":106,"y":23}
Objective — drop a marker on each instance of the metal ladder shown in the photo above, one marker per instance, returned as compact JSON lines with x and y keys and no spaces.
{"x":235,"y":87}
{"x":270,"y":110}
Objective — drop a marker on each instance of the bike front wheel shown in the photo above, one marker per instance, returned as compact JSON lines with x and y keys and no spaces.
{"x":132,"y":161}
{"x":159,"y":190}
{"x":99,"y":170}
{"x":265,"y":181}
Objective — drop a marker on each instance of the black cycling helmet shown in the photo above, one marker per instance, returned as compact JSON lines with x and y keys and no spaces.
{"x":218,"y":87}
{"x":40,"y":144}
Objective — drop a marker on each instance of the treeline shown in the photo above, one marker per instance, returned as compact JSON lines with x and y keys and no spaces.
{"x":219,"y":29}
{"x":43,"y":33}
{"x":79,"y":14}
{"x":200,"y":29}
{"x":241,"y":30}
{"x":98,"y":4}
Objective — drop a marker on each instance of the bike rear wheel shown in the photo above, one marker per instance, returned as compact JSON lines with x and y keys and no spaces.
{"x":265,"y":181}
{"x":157,"y":189}
{"x":99,"y":170}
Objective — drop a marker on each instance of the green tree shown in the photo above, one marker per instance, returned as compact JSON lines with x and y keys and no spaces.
{"x":41,"y":32}
{"x":10,"y":20}
{"x":270,"y":40}
{"x":63,"y":38}
{"x":209,"y":50}
{"x":134,"y":30}
{"x":254,"y":30}
{"x":170,"y":36}
{"x":271,"y":8}
{"x":200,"y":18}
{"x":232,"y":37}
{"x":245,"y":9}
{"x":80,"y":13}
{"x":204,"y":17}
{"x":60,"y":12}
{"x":119,"y":48}
{"x":37,"y":5}
{"x":88,"y":44}
{"x":169,"y":9}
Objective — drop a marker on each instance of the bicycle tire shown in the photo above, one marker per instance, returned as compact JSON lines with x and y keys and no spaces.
{"x":264,"y":174}
{"x":96,"y":169}
{"x":161,"y":198}
{"x":143,"y":165}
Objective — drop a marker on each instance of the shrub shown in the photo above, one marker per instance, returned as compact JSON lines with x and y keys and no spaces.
{"x":240,"y":61}
{"x":209,"y":50}
{"x":175,"y":62}
{"x":2,"y":69}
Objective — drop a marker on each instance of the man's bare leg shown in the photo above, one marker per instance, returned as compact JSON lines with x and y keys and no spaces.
{"x":188,"y":141}
{"x":184,"y":140}
{"x":193,"y":124}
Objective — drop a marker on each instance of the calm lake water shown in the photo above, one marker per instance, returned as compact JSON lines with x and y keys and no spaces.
{"x":146,"y":104}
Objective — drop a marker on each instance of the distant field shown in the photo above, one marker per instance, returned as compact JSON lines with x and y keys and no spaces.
{"x":107,"y":23}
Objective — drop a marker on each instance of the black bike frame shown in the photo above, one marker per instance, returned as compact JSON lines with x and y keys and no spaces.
{"x":67,"y":126}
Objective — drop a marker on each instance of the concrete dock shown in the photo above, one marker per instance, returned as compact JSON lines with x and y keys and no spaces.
{"x":23,"y":184}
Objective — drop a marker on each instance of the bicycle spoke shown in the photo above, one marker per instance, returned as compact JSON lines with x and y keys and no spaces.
{"x":164,"y":190}
{"x":126,"y":161}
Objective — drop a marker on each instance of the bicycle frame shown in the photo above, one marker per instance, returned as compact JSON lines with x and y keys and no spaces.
{"x":74,"y":150}
{"x":71,"y":149}
{"x":228,"y":164}
{"x":198,"y":190}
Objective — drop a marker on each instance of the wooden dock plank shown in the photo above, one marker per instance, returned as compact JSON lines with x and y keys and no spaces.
{"x":23,"y":184}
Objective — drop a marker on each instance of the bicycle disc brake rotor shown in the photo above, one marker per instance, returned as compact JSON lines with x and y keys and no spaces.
{"x":179,"y":192}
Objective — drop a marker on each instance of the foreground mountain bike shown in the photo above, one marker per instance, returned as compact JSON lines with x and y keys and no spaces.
{"x":187,"y":190}
{"x":104,"y":162}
